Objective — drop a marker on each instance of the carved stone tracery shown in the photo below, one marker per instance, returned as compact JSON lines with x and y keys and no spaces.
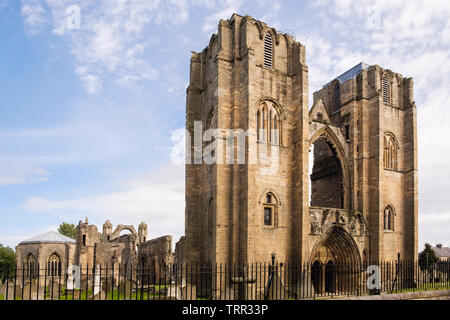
{"x":323,"y":219}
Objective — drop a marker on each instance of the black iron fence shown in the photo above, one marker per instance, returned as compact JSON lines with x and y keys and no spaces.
{"x":258,"y":281}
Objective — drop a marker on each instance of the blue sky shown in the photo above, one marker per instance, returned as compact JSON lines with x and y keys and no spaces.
{"x":87,"y":115}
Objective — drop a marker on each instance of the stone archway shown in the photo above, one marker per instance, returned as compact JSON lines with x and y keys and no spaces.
{"x":120,"y":228}
{"x":330,"y":185}
{"x":335,"y":260}
{"x":338,"y":246}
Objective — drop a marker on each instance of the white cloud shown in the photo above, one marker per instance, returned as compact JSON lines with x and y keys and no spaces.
{"x":112,"y":37}
{"x":224,"y":10}
{"x":91,"y":82}
{"x":34,"y":15}
{"x":12,"y":173}
{"x":12,"y":237}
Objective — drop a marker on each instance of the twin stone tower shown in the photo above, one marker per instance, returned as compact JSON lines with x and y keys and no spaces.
{"x":335,"y":183}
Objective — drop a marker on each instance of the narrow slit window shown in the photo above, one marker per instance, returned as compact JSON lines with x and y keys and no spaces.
{"x":258,"y":124}
{"x":337,"y":97}
{"x":386,"y":89}
{"x":389,"y":219}
{"x":268,"y":51}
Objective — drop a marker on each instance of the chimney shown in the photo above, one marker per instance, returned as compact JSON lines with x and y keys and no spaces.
{"x":439,"y":245}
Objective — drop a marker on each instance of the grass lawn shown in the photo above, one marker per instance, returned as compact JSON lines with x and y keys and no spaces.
{"x":110,"y":295}
{"x":428,"y":287}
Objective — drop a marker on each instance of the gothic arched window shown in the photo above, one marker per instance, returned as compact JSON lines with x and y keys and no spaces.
{"x":54,"y":265}
{"x":268,"y":50}
{"x":270,"y":210}
{"x":337,"y":97}
{"x":268,"y":124}
{"x":386,"y":90}
{"x":31,"y":265}
{"x":389,"y":218}
{"x":390,"y":152}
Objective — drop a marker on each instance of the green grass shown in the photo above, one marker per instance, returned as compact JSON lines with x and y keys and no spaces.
{"x":76,"y":296}
{"x":423,"y":287}
{"x":82,"y":294}
{"x":110,"y":295}
{"x":427,"y":287}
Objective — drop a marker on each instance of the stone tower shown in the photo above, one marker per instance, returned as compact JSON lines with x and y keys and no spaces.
{"x":87,"y":237}
{"x":358,"y":202}
{"x":142,"y":232}
{"x":248,"y":73}
{"x":374,"y":114}
{"x":107,"y":231}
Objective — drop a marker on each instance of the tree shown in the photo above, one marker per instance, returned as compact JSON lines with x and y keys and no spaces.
{"x":427,"y":258}
{"x":68,"y":230}
{"x":7,"y":261}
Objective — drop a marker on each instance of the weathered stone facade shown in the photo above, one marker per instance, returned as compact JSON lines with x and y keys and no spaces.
{"x":112,"y":249}
{"x":361,"y":132}
{"x":51,"y":252}
{"x":157,"y":258}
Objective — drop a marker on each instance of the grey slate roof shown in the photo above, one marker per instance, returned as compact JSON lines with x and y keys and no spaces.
{"x":49,"y":237}
{"x":442,"y":252}
{"x":350,"y":74}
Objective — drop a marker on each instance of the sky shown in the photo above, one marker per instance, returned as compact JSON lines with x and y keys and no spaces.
{"x":93,"y":91}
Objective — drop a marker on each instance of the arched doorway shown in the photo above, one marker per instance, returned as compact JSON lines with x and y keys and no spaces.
{"x":328,"y":179}
{"x":330,"y":277}
{"x":338,"y":257}
{"x":316,"y":276}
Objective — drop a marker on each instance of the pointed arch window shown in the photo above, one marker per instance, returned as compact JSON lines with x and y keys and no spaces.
{"x":337,"y":97}
{"x":31,"y":265}
{"x":389,"y":218}
{"x":386,"y":90}
{"x":390,"y":152}
{"x":268,"y":124}
{"x":268,"y":50}
{"x":54,"y":265}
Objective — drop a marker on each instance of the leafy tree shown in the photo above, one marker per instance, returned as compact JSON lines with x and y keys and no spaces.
{"x":7,"y":261}
{"x":427,"y":258}
{"x":68,"y":230}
